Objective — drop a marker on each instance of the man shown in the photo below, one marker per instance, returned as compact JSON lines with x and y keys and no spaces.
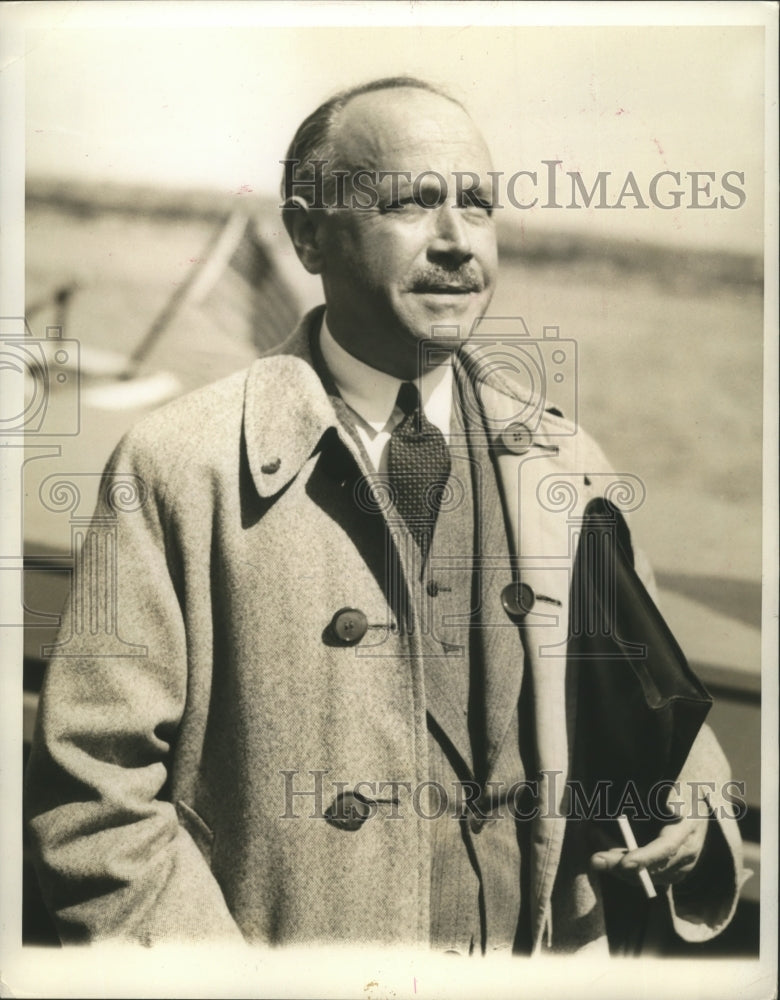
{"x":348,"y":592}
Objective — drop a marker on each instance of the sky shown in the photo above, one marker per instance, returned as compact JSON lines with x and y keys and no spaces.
{"x":135,"y":93}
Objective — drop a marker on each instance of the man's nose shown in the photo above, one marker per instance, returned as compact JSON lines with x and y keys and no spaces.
{"x":450,"y":242}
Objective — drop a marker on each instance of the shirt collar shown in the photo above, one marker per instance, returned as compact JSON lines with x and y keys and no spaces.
{"x":372,"y":393}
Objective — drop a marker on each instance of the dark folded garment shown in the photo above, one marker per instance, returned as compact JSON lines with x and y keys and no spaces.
{"x":640,"y":705}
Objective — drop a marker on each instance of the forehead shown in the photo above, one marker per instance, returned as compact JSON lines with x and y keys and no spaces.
{"x":408,"y":129}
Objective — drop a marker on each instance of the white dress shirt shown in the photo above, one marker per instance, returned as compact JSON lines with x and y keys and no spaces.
{"x":372,"y":394}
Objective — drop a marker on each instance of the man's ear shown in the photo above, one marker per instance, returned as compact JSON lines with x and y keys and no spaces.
{"x":303,"y":223}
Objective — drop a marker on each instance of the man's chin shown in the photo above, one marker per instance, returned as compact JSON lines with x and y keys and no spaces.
{"x":448,"y":304}
{"x":447,"y":318}
{"x":438,"y":342}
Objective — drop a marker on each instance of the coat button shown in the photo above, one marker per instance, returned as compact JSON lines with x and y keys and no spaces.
{"x":349,"y":625}
{"x":269,"y":468}
{"x":518,"y":599}
{"x":348,"y":812}
{"x":517,"y":438}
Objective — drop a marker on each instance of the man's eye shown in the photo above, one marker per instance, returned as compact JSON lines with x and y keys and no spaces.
{"x":409,"y":205}
{"x":402,"y":204}
{"x":468,"y":202}
{"x":473,"y":201}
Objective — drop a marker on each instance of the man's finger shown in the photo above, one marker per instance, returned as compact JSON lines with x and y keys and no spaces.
{"x":604,"y":860}
{"x":665,"y":846}
{"x":610,"y":862}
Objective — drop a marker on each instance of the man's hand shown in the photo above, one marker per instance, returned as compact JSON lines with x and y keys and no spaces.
{"x":668,"y":858}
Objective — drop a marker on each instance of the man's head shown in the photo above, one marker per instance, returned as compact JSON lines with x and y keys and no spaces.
{"x":401,"y":229}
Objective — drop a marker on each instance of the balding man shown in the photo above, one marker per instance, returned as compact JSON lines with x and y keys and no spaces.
{"x":352,"y":720}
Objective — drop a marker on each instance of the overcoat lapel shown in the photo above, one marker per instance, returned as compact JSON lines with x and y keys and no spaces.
{"x":542,"y":537}
{"x":448,"y":715}
{"x":539,"y":534}
{"x":499,"y":652}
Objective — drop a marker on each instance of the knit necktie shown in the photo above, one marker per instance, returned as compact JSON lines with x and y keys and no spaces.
{"x":418,"y":467}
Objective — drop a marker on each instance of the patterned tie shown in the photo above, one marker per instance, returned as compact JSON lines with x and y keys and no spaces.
{"x":418,"y":466}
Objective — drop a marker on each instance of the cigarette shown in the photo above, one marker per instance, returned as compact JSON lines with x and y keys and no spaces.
{"x":631,"y":844}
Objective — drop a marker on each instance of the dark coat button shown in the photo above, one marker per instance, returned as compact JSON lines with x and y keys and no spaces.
{"x":348,"y":812}
{"x":269,"y":468}
{"x":349,"y":625}
{"x":518,"y":599}
{"x":517,"y":438}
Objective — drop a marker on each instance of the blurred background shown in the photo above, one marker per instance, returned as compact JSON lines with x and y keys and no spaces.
{"x":153,"y":239}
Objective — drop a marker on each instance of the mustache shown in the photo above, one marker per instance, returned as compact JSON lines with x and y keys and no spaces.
{"x":465,"y":278}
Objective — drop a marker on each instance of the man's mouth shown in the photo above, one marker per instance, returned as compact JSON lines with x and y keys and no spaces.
{"x":445,"y":289}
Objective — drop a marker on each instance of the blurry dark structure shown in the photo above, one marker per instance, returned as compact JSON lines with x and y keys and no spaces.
{"x":60,"y":298}
{"x":238,"y":283}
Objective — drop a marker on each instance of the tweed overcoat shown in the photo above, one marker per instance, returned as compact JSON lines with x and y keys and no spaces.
{"x":186,"y":753}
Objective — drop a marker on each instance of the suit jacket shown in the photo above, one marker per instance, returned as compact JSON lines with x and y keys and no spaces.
{"x":189,"y":745}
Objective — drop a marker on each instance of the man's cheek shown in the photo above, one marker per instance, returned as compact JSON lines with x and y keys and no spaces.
{"x":380,"y":264}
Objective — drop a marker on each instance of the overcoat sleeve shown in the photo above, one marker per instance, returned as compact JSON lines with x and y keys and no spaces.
{"x":112,"y":858}
{"x":704,"y":903}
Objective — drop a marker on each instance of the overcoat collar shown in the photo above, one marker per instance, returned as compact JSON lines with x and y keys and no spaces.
{"x":285,"y":383}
